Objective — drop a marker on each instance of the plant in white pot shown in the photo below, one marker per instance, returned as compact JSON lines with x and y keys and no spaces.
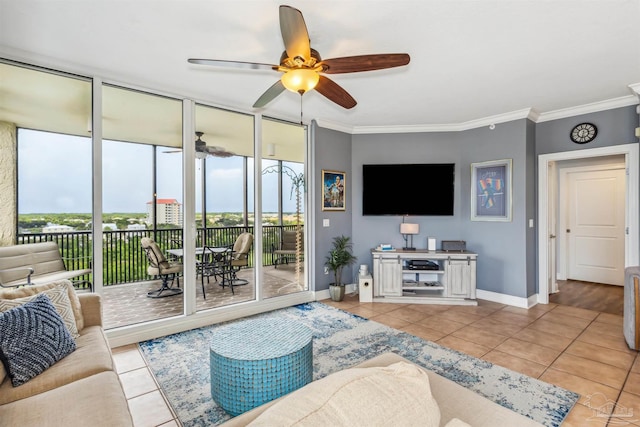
{"x":339,"y":257}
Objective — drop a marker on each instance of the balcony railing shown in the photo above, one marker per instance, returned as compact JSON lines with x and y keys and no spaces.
{"x":124,"y":261}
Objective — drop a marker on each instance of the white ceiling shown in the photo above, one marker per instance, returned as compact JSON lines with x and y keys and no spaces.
{"x":470,"y":60}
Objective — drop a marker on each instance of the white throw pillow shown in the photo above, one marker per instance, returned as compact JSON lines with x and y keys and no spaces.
{"x":60,"y":300}
{"x":394,"y":395}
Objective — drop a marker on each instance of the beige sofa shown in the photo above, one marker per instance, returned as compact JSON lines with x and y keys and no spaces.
{"x":455,"y":403}
{"x":82,"y":389}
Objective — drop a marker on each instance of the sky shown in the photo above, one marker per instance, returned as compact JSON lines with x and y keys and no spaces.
{"x":54,"y":176}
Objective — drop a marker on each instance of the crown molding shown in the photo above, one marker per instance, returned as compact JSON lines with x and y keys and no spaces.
{"x":527,"y":113}
{"x":594,"y":107}
{"x":340,"y":127}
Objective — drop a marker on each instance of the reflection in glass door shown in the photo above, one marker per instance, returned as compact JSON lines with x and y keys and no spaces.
{"x":283,"y":208}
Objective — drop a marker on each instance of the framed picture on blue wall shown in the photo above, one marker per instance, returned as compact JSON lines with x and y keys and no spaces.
{"x":333,"y":190}
{"x":491,"y":191}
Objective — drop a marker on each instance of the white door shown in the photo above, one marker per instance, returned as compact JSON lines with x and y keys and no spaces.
{"x":596,"y":226}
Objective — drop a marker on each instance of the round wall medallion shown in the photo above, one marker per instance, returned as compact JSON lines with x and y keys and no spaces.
{"x":583,"y":133}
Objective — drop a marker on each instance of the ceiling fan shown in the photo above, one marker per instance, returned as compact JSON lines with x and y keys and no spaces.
{"x":304,"y":69}
{"x":203,"y":150}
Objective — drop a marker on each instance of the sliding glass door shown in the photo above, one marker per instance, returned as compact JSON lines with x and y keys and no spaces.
{"x":142,"y":197}
{"x":224,"y":208}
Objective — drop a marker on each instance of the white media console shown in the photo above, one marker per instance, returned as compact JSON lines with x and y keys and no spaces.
{"x":400,"y":276}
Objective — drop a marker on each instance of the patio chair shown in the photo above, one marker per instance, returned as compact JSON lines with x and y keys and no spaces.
{"x":211,"y":263}
{"x":287,"y":248}
{"x":235,"y":259}
{"x":160,"y":267}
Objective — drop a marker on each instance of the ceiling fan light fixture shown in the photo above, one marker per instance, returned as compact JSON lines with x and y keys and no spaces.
{"x":300,"y":80}
{"x":201,"y":155}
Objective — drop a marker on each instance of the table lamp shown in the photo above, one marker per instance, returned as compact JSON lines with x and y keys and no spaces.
{"x":408,"y":230}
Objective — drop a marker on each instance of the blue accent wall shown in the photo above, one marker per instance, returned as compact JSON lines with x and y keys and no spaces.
{"x":507,"y":251}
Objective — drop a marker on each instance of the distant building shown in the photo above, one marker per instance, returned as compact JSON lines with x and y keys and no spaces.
{"x":168,"y":211}
{"x":136,"y":230}
{"x":109,"y":226}
{"x":56,"y":228}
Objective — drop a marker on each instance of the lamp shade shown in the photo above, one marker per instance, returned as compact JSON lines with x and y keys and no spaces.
{"x":407,"y":228}
{"x":300,"y":79}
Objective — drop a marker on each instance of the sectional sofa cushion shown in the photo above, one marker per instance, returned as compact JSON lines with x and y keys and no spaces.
{"x":95,"y":401}
{"x":398,"y":394}
{"x":92,"y":356}
{"x":33,"y":337}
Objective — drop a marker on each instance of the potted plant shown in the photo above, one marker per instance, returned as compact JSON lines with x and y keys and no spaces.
{"x":339,"y":257}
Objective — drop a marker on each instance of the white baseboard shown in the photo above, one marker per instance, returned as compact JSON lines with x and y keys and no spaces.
{"x":507,"y":299}
{"x":324,"y":294}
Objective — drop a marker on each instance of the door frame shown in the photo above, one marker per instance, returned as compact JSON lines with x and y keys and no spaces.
{"x":632,"y":236}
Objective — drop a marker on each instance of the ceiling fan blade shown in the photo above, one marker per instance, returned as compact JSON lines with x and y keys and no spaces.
{"x":233,"y":64}
{"x":354,"y":64}
{"x":294,"y":33}
{"x":335,"y":93}
{"x":276,"y":89}
{"x":173,"y":151}
{"x":218,"y":151}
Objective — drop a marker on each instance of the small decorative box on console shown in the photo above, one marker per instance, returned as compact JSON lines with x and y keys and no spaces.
{"x":454,"y":245}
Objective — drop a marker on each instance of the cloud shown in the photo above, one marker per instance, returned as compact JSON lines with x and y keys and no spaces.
{"x":55,"y":176}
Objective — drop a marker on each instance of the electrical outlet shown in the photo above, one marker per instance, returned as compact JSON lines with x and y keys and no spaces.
{"x":326,"y":270}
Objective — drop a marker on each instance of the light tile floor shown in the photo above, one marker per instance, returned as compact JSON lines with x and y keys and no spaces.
{"x":575,"y":348}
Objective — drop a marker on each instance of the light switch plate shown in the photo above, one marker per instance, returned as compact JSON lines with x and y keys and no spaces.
{"x":325,"y":222}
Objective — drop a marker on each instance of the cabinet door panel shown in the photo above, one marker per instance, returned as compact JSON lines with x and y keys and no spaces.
{"x":458,"y":278}
{"x":390,"y":276}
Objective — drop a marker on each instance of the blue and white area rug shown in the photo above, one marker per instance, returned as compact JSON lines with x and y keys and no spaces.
{"x":180,"y":363}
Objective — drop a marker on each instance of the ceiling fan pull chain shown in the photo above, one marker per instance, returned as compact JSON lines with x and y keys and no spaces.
{"x":301,"y":93}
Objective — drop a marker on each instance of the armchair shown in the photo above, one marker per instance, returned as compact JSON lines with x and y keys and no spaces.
{"x":159,"y":266}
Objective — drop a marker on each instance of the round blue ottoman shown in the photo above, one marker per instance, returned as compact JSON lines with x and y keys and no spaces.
{"x":255,"y":361}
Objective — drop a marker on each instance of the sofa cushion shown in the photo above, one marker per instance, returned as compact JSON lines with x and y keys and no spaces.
{"x":26,"y":291}
{"x":96,"y":401}
{"x":92,"y":356}
{"x":60,"y":300}
{"x":398,"y":394}
{"x":455,"y":422}
{"x":33,"y":337}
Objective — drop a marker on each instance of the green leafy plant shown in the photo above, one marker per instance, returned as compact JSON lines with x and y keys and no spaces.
{"x":339,"y":257}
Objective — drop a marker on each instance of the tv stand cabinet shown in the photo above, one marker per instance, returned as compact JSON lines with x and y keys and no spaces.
{"x":451,"y":278}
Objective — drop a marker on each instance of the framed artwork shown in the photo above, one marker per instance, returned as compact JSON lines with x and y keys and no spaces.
{"x":333,"y":190}
{"x":491,"y":191}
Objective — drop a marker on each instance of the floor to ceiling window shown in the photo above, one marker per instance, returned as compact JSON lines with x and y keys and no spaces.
{"x":54,"y":161}
{"x":224,"y":207}
{"x":141,"y":197}
{"x":142,"y":193}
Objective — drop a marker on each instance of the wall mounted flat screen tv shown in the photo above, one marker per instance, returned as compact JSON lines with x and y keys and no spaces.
{"x":408,"y":189}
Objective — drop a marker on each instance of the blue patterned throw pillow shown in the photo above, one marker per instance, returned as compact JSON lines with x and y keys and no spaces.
{"x":33,"y":337}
